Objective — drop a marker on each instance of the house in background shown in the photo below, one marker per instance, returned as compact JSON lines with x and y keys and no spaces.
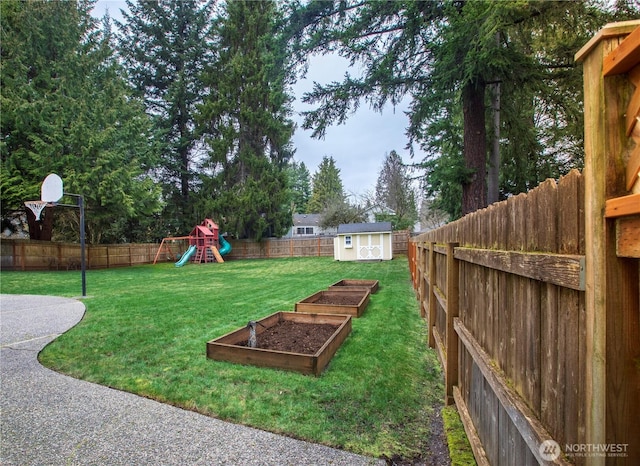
{"x":306,"y":225}
{"x":363,"y":241}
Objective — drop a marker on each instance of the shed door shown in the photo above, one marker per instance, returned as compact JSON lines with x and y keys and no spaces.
{"x":368,"y":249}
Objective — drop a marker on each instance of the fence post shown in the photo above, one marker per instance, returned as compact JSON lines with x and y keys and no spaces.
{"x":24,"y":257}
{"x":432,"y":294}
{"x":611,"y":292}
{"x":451,"y":369}
{"x":420,"y":279}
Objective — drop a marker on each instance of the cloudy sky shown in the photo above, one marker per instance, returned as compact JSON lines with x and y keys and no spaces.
{"x":358,"y":147}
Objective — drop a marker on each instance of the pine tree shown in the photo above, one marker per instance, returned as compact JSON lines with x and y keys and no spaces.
{"x":246,"y":122}
{"x":300,"y":183}
{"x":68,"y":110}
{"x":446,"y":55}
{"x":165,"y":45}
{"x":327,"y":187}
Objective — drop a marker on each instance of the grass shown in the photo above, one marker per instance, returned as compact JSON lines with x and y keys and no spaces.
{"x":146,"y":328}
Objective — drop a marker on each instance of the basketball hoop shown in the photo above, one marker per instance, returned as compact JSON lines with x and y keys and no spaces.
{"x":36,"y":207}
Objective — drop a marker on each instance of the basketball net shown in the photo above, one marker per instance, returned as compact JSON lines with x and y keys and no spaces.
{"x":36,"y":207}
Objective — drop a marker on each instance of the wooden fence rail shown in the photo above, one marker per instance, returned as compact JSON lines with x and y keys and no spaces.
{"x":533,"y":304}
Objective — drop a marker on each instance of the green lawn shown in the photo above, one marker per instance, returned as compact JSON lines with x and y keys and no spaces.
{"x":146,"y":328}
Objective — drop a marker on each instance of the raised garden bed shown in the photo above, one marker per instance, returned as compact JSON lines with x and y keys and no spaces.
{"x":344,"y":302}
{"x":349,"y":284}
{"x":285,"y":340}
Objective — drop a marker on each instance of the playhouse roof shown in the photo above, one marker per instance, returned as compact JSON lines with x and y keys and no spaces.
{"x":207,"y":222}
{"x":349,"y":228}
{"x":200,"y":230}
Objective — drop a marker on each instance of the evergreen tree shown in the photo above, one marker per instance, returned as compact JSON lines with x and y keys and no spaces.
{"x":395,"y":194}
{"x":165,"y":45}
{"x":327,"y":187}
{"x":68,"y":110}
{"x":446,"y":55}
{"x":245,"y":119}
{"x":300,"y":182}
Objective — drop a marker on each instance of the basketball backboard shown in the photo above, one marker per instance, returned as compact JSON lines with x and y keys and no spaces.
{"x":51,"y":189}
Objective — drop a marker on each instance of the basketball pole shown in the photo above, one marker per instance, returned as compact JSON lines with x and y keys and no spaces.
{"x":83,"y":265}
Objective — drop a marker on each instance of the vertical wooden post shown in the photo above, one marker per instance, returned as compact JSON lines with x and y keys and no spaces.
{"x":420,"y":279}
{"x":451,"y":369}
{"x":609,"y":296}
{"x":432,"y":294}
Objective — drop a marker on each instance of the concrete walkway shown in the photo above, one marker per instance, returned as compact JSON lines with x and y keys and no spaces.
{"x":50,"y":419}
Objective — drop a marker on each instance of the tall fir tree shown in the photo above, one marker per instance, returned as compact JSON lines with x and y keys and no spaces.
{"x":327,"y":187}
{"x":447,"y":55}
{"x":246,"y":122}
{"x":165,"y":45}
{"x":300,"y":183}
{"x":67,"y":109}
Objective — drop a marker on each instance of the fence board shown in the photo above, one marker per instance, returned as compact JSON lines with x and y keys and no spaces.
{"x":531,"y":431}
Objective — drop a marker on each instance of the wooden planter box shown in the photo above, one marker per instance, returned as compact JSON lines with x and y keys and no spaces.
{"x":227,"y":348}
{"x":371,"y":285}
{"x":311,"y":304}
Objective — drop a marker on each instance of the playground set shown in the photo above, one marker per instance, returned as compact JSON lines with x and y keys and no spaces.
{"x":205,"y":245}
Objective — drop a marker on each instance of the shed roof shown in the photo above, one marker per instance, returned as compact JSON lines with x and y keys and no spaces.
{"x":347,"y":228}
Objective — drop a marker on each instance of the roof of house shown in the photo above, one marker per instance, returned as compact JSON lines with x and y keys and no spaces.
{"x":306,"y":219}
{"x":346,"y":228}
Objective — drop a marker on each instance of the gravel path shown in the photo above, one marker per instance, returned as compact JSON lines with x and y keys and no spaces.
{"x":50,"y":419}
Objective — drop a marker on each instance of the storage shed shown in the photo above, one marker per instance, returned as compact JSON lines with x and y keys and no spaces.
{"x":363,"y":241}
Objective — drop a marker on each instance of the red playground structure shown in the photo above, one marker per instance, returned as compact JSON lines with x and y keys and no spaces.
{"x":205,"y":245}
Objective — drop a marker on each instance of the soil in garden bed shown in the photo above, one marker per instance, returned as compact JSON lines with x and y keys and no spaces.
{"x":342,"y":299}
{"x":294,"y":337}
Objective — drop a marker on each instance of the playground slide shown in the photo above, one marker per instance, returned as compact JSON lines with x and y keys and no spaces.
{"x":225,"y":247}
{"x":186,"y":256}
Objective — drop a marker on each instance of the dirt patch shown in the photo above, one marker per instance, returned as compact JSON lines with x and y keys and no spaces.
{"x":294,"y":337}
{"x":436,"y":448}
{"x":342,"y":299}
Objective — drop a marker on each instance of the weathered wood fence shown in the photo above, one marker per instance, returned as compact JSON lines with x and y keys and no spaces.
{"x":47,"y":255}
{"x":533,"y":304}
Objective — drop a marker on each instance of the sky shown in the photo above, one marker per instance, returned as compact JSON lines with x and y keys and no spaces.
{"x":358,"y":147}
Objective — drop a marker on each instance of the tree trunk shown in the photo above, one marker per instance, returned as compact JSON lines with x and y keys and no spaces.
{"x":42,"y":229}
{"x":493,"y":178}
{"x":474,"y":195}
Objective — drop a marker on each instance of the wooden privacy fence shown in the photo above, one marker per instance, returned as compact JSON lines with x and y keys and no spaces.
{"x":47,"y":255}
{"x":533,"y":304}
{"x":503,"y":293}
{"x":301,"y":247}
{"x":282,"y":247}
